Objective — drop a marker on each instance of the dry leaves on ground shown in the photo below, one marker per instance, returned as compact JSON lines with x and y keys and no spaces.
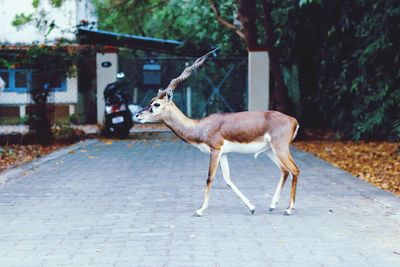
{"x":14,"y":155}
{"x":375,"y":162}
{"x":107,"y":141}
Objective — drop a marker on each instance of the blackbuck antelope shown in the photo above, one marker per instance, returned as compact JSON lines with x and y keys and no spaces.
{"x":268,"y":132}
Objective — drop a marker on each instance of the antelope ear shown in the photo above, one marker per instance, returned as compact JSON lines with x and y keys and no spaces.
{"x":170,"y":94}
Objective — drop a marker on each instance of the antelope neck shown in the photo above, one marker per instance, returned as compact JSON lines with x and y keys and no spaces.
{"x":184,"y":127}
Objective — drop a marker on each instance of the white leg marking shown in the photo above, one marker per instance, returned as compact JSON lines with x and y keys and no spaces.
{"x":288,"y":211}
{"x":268,"y":137}
{"x":227,"y":178}
{"x":275,"y":198}
{"x":277,"y":194}
{"x":199,"y":212}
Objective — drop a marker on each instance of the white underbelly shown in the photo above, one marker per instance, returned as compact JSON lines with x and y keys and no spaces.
{"x":202,"y":147}
{"x":246,"y":148}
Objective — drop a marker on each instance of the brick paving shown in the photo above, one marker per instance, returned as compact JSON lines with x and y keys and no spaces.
{"x":131,"y":203}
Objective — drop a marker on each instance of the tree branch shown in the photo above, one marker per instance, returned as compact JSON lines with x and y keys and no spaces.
{"x":224,"y":22}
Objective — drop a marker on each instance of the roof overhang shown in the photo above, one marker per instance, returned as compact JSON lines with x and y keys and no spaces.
{"x":106,"y":38}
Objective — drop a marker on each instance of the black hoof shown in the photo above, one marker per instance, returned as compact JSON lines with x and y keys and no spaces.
{"x":252,"y":211}
{"x":271,"y":209}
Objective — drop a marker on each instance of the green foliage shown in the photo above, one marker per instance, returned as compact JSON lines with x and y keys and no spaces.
{"x":35,"y":3}
{"x":190,"y":21}
{"x":4,"y":63}
{"x":23,"y":120}
{"x":22,"y":19}
{"x":349,"y":59}
{"x":64,"y":133}
{"x":56,"y":3}
{"x":39,"y":17}
{"x":7,"y":151}
{"x":305,"y":2}
{"x":74,"y":119}
{"x":51,"y":61}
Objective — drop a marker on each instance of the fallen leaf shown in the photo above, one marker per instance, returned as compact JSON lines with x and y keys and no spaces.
{"x":375,"y":162}
{"x":107,"y":142}
{"x":15,"y":155}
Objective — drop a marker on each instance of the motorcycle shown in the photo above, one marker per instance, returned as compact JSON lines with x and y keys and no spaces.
{"x":119,"y":109}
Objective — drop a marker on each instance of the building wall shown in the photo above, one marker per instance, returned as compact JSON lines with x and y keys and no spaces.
{"x":70,"y":96}
{"x":65,"y":17}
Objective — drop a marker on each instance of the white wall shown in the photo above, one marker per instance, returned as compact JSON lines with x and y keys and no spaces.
{"x":105,"y":75}
{"x":63,"y":97}
{"x":85,"y":11}
{"x":65,"y":17}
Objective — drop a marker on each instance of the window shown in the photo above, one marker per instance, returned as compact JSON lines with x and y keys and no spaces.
{"x":6,"y":78}
{"x":20,"y":80}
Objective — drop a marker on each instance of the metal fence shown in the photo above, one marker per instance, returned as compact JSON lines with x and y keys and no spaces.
{"x":220,"y":85}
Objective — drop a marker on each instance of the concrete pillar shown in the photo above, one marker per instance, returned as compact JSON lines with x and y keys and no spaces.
{"x":22,"y":111}
{"x":135,"y":95}
{"x":71,"y":109}
{"x":106,"y":70}
{"x":189,"y":101}
{"x":258,"y":81}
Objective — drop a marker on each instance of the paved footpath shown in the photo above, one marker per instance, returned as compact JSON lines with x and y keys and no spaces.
{"x":132,"y":203}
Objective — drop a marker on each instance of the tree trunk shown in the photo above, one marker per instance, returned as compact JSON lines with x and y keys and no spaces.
{"x":279,"y":97}
{"x":39,"y":121}
{"x":247,"y":14}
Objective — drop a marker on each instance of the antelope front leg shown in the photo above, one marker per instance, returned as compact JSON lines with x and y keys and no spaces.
{"x":227,"y":178}
{"x":212,"y":169}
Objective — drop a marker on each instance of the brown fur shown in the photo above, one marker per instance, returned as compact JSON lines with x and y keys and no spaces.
{"x":241,"y":127}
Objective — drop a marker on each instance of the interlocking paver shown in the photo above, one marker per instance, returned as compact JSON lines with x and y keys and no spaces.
{"x":131,"y":204}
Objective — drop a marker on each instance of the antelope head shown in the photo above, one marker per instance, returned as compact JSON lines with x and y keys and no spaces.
{"x":157,"y":108}
{"x":160,"y":105}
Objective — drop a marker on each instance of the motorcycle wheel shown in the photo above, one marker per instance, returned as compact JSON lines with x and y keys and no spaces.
{"x":122,"y":133}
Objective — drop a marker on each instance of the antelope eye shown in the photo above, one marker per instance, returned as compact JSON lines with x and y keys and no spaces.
{"x":157,"y":105}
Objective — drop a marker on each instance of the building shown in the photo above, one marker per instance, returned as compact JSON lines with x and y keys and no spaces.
{"x":14,"y":98}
